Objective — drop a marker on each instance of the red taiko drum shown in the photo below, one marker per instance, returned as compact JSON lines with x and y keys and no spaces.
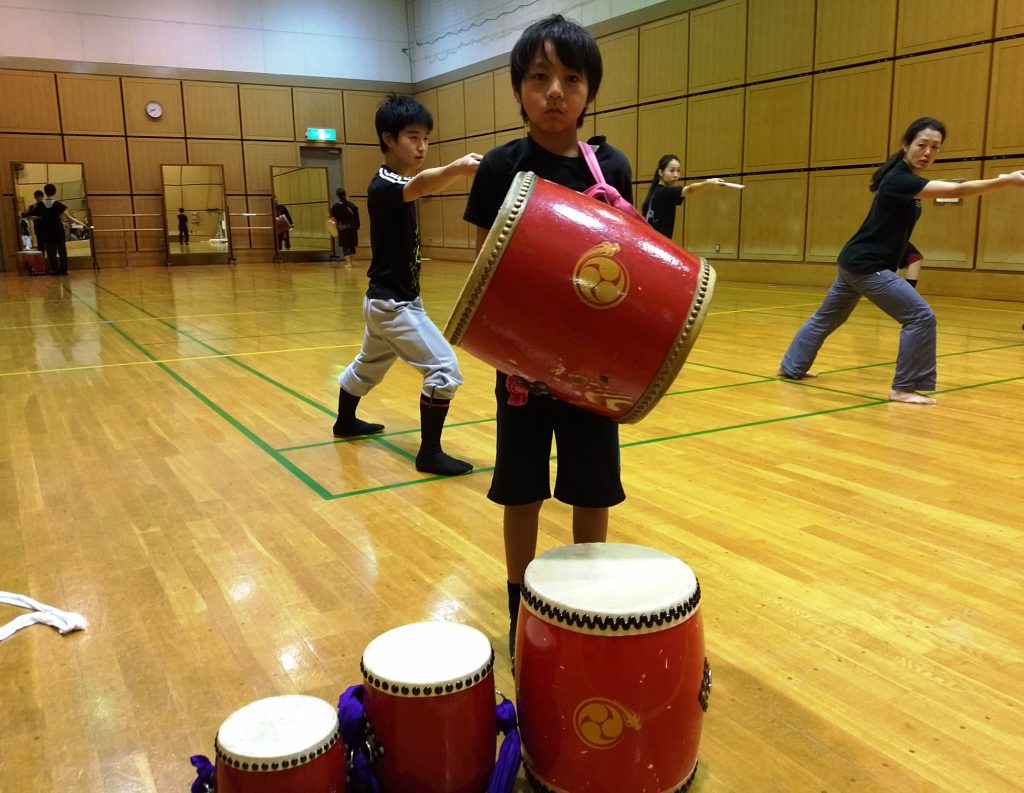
{"x":430,"y":699}
{"x":279,"y":744}
{"x":611,"y":678}
{"x":582,"y":301}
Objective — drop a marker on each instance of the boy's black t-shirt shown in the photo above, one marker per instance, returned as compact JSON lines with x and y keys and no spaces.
{"x":881,"y":241}
{"x":661,"y":209}
{"x":394,"y":238}
{"x":500,"y":165}
{"x":49,"y":223}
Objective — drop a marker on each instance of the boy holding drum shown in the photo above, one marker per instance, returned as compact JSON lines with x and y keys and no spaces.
{"x":556,"y":72}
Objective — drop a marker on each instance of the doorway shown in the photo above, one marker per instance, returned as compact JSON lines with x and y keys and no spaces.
{"x":322,"y":157}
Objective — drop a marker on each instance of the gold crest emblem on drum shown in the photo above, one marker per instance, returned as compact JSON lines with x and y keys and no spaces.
{"x":601,"y":723}
{"x":600,"y":281}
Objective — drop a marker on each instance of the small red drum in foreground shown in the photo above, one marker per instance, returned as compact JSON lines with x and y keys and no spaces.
{"x":281,"y":744}
{"x":430,"y":701}
{"x":611,"y":678}
{"x":582,"y":301}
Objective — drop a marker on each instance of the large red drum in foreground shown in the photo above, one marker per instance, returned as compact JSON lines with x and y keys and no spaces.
{"x":581,"y":300}
{"x":281,"y":744}
{"x":430,"y":699}
{"x":611,"y":678}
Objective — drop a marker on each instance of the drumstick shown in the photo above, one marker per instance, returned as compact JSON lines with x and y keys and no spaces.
{"x":734,"y":185}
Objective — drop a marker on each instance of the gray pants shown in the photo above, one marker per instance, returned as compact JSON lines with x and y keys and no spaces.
{"x":915,"y":363}
{"x":402,"y":329}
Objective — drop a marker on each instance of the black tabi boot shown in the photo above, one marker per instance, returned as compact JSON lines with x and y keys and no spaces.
{"x":347,"y":425}
{"x":430,"y":459}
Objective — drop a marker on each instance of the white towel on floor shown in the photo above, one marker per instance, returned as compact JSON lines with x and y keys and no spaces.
{"x":63,"y":621}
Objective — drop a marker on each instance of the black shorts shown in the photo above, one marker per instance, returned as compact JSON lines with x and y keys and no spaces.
{"x":588,"y":453}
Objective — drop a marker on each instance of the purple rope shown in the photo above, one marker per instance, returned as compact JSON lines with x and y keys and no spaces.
{"x":510,"y":756}
{"x":352,"y":716}
{"x":205,"y":773}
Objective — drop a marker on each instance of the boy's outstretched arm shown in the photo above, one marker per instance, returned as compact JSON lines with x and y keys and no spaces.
{"x":434,"y":180}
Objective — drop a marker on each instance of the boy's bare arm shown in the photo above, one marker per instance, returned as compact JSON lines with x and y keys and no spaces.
{"x":434,"y":180}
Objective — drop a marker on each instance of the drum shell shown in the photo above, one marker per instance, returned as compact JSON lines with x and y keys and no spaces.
{"x":656,"y":677}
{"x":524,"y":312}
{"x":435,"y":744}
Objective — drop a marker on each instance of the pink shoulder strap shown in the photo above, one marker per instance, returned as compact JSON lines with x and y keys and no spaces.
{"x":603,"y":191}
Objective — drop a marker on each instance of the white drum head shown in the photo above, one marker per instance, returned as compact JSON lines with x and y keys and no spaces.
{"x":277,"y":730}
{"x":427,"y":659}
{"x":611,"y":587}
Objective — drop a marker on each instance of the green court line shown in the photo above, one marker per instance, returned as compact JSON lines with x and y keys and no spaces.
{"x":312,"y":484}
{"x":381,"y":435}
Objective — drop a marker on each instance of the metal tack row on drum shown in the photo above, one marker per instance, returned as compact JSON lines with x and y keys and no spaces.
{"x":581,"y":301}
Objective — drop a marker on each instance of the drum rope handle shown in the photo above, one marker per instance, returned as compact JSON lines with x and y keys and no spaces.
{"x":510,"y":756}
{"x":205,"y":774}
{"x":361,"y":746}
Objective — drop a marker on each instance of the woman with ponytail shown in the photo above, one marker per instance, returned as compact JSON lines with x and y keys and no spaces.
{"x":868,"y":264}
{"x":659,"y":208}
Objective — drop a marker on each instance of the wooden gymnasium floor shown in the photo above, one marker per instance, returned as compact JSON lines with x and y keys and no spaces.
{"x":166,"y":468}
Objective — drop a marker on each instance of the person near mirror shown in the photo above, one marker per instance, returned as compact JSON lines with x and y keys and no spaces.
{"x":346,"y":215}
{"x":664,"y":195}
{"x":51,"y":216}
{"x":397,"y":324}
{"x":36,"y":218}
{"x":182,"y":227}
{"x":283,"y":227}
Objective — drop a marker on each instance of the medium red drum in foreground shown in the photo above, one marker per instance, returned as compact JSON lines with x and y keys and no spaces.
{"x":281,"y":745}
{"x":581,"y":300}
{"x":611,"y":678}
{"x":429,"y":691}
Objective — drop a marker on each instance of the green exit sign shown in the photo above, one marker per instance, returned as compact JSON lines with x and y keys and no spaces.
{"x":316,"y":133}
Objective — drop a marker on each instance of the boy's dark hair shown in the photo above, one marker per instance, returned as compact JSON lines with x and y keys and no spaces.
{"x":37,"y":194}
{"x":574,"y":46}
{"x":50,"y":189}
{"x":398,"y":112}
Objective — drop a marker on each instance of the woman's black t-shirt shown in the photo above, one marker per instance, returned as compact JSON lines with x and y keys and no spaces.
{"x":660,"y":211}
{"x":881,"y":241}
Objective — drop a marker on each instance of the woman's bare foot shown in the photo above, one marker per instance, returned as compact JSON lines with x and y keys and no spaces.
{"x":786,"y":375}
{"x":911,"y":398}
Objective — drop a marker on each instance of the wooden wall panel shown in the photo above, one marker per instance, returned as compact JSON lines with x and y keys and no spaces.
{"x":456,"y":232}
{"x":850,"y":121}
{"x":211,"y":110}
{"x":447,"y":152}
{"x":931,"y":24}
{"x":620,"y":130}
{"x":320,"y":108}
{"x":506,"y":108}
{"x":837,"y":203}
{"x":854,"y":32}
{"x":1009,"y":17}
{"x":149,"y":215}
{"x":1000,"y":232}
{"x":259,"y":156}
{"x":30,"y":102}
{"x":508,"y":135}
{"x":946,"y":233}
{"x":104,"y":162}
{"x":780,"y":38}
{"x":431,"y":221}
{"x":661,"y":129}
{"x":712,"y":222}
{"x":138,"y":92}
{"x":266,"y":112}
{"x":718,"y":45}
{"x":146,"y":155}
{"x":620,"y":55}
{"x":773,"y":217}
{"x":664,"y":58}
{"x":778,"y":123}
{"x":360,"y":112}
{"x":950,"y":86}
{"x":361,"y":163}
{"x":450,"y":120}
{"x":27,"y":148}
{"x":480,"y":107}
{"x":226,"y":152}
{"x":90,"y":104}
{"x":481,"y":144}
{"x":111,"y":217}
{"x":429,"y":100}
{"x":714,"y":133}
{"x":1005,"y":133}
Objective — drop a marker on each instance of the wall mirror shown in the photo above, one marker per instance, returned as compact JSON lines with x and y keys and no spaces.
{"x":301,"y":206}
{"x":196,"y":223}
{"x":75,"y":231}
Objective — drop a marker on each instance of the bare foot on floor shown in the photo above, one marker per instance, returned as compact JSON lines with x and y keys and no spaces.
{"x":911,"y":398}
{"x":787,"y":376}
